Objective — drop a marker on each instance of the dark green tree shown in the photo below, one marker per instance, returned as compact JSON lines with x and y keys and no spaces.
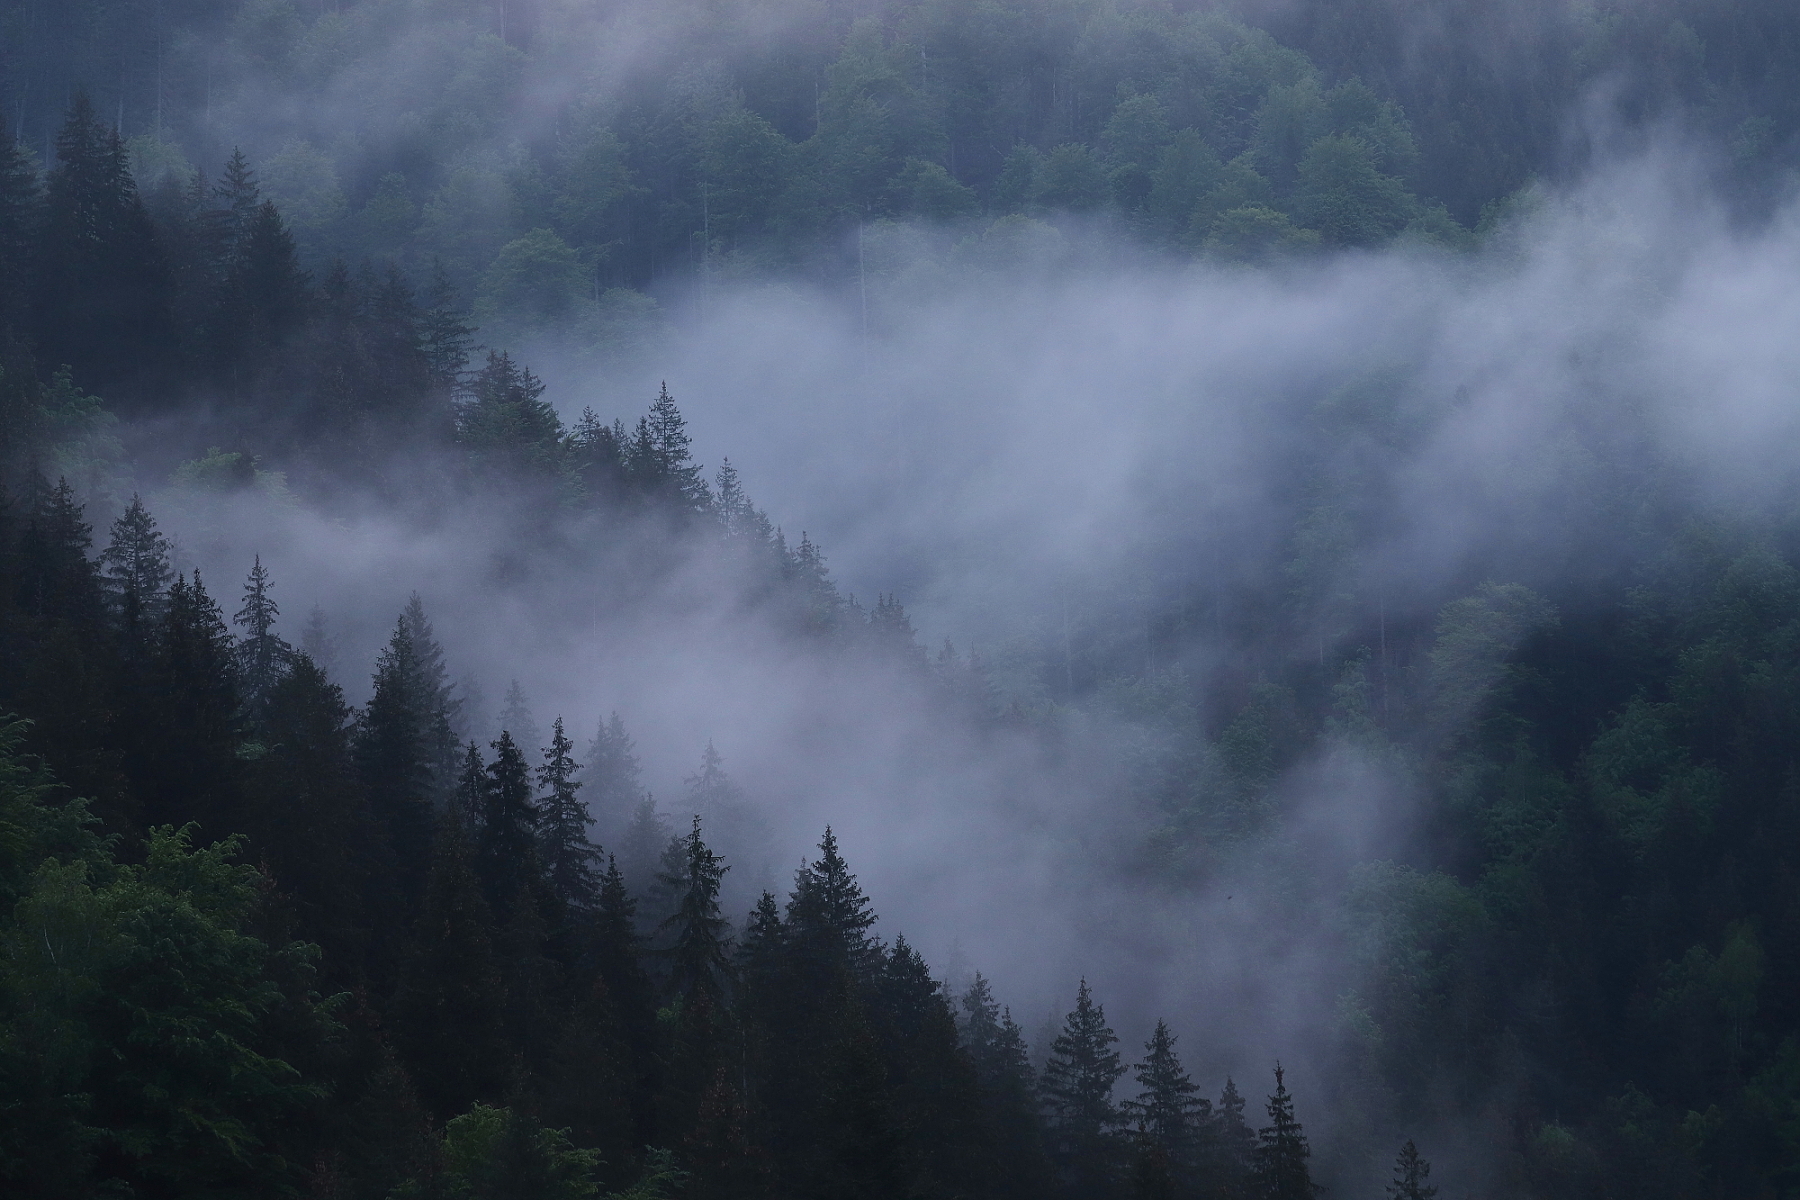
{"x":136,"y":571}
{"x":1168,"y":1109}
{"x":1002,"y":1063}
{"x":1281,"y":1171}
{"x":506,"y":842}
{"x":699,"y":937}
{"x":612,"y":780}
{"x":1411,"y":1171}
{"x":263,"y":656}
{"x":449,"y":1010}
{"x":568,"y":856}
{"x":1077,"y":1086}
{"x":103,"y":288}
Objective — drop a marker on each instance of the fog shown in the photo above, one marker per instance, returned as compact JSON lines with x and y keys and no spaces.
{"x":1097,"y":432}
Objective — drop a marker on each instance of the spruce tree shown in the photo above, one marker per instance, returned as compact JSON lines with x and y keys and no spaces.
{"x":449,"y":1011}
{"x":1167,"y":1108}
{"x":1410,"y":1173}
{"x":434,"y":702}
{"x":21,"y":214}
{"x":568,"y":856}
{"x":56,"y":579}
{"x":611,"y":780}
{"x":640,"y":850}
{"x":470,"y":799}
{"x":1078,"y":1084}
{"x":103,"y":288}
{"x":505,"y":854}
{"x":1281,"y":1172}
{"x":135,"y":569}
{"x":516,"y":718}
{"x":266,"y":292}
{"x":446,"y":339}
{"x":699,"y":960}
{"x":189,"y":762}
{"x":395,"y":760}
{"x":618,"y":963}
{"x":829,"y":917}
{"x":996,"y":1046}
{"x":311,"y":827}
{"x":263,"y":657}
{"x":1231,"y":1144}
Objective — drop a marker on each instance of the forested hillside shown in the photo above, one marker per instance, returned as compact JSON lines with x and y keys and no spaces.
{"x":1425,"y":744}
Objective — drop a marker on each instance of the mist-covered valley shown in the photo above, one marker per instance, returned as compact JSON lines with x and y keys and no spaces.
{"x":1277,"y":518}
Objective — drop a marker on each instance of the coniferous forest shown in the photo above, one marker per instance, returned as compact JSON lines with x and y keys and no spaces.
{"x":1388,"y":688}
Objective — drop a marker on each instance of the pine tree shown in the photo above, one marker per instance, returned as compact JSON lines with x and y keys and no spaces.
{"x":1410,"y":1173}
{"x":1231,"y":1144}
{"x":641,"y":847}
{"x":266,"y":291}
{"x":660,"y":463}
{"x":516,"y":718}
{"x":505,"y":854}
{"x":238,"y":193}
{"x":931,"y":1081}
{"x":996,"y":1045}
{"x":434,"y":701}
{"x":612,"y":780}
{"x":188,"y":760}
{"x":103,"y":287}
{"x":395,"y":760}
{"x":21,"y":213}
{"x":568,"y":856}
{"x":1281,"y":1152}
{"x":135,"y":568}
{"x":829,"y":917}
{"x":1078,"y":1084}
{"x":449,"y":1010}
{"x":699,"y":961}
{"x":311,"y":828}
{"x":470,"y":800}
{"x":56,"y":579}
{"x":263,"y":657}
{"x":447,"y":340}
{"x":618,"y":963}
{"x":1168,"y":1108}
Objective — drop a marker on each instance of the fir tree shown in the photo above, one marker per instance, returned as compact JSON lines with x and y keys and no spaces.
{"x":434,"y":702}
{"x":641,"y":847}
{"x":263,"y":657}
{"x":1168,"y":1108}
{"x":135,"y":568}
{"x":20,"y":217}
{"x":395,"y":759}
{"x":1231,"y":1145}
{"x":449,"y":1010}
{"x":1281,"y":1152}
{"x":191,"y":749}
{"x":1078,"y":1084}
{"x":55,"y":576}
{"x":238,"y":194}
{"x":103,"y":285}
{"x":618,"y":964}
{"x":660,"y":462}
{"x":612,"y":780}
{"x":516,"y":718}
{"x":470,"y":800}
{"x":505,"y":854}
{"x":1411,"y":1171}
{"x":266,"y":291}
{"x":699,"y":962}
{"x":446,"y":339}
{"x":829,"y":917}
{"x":568,"y":856}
